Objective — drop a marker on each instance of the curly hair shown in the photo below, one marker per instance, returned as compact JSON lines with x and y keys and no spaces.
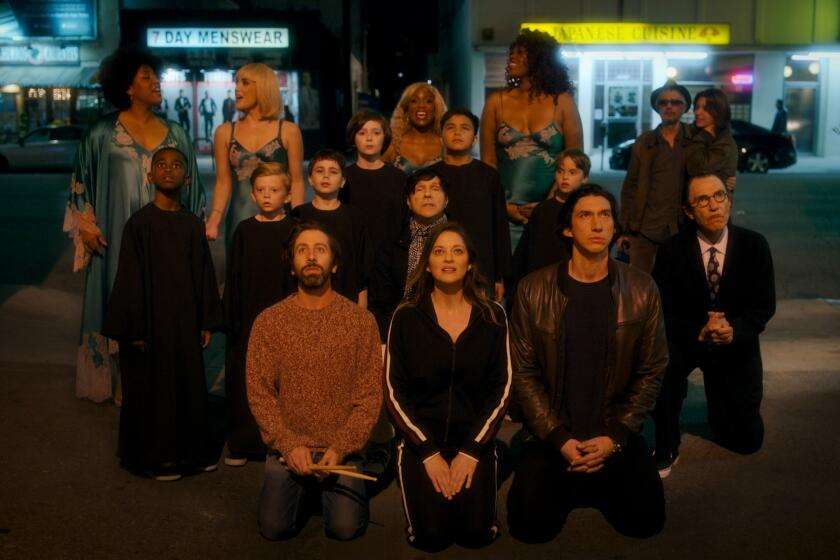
{"x":399,"y":120}
{"x":476,"y":288}
{"x":548,"y":75}
{"x":117,"y":72}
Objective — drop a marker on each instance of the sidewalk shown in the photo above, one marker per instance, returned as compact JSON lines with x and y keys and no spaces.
{"x":62,"y":494}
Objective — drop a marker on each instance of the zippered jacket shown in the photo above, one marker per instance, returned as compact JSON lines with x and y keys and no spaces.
{"x":443,"y":394}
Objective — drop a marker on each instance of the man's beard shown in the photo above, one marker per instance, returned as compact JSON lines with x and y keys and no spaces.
{"x":313,"y":280}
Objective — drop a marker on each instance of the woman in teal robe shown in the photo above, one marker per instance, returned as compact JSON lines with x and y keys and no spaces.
{"x":109,"y":183}
{"x":528,"y":124}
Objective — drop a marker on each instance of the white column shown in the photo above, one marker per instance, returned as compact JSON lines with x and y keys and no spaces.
{"x":827,"y":141}
{"x":586,"y":99}
{"x":658,"y":66}
{"x":769,"y":86}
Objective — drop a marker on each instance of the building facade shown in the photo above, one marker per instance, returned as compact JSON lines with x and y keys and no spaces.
{"x":757,"y":51}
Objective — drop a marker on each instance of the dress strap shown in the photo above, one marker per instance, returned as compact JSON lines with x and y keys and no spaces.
{"x":280,"y":130}
{"x":232,"y":125}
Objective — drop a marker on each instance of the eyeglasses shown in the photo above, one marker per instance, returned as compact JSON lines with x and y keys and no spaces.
{"x":703,"y":200}
{"x":674,"y":102}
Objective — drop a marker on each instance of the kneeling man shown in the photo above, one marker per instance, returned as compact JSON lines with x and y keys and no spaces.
{"x":314,"y":379}
{"x":718,"y":293}
{"x":589,"y":352}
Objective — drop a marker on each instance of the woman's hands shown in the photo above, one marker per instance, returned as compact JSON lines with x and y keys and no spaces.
{"x":449,"y":479}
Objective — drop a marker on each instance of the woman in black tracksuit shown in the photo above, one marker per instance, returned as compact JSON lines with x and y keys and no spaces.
{"x":448,"y":382}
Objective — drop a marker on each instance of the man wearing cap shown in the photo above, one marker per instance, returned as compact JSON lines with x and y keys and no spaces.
{"x":651,"y":197}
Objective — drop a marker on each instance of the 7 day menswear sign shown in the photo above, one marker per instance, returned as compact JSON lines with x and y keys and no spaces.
{"x":218,"y":37}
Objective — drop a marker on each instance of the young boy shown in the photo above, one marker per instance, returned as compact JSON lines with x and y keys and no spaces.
{"x":344,"y":222}
{"x":476,"y":197}
{"x":373,"y":187}
{"x":541,"y":245}
{"x":164,"y":304}
{"x":258,"y":276}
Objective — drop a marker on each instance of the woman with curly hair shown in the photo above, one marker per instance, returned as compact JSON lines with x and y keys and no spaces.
{"x":527,"y":124}
{"x":415,"y":126}
{"x":110,"y":182}
{"x":262,"y":135}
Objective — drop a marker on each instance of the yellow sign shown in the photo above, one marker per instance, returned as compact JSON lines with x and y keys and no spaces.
{"x":655,"y":33}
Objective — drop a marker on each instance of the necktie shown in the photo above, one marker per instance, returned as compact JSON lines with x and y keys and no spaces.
{"x":713,"y":274}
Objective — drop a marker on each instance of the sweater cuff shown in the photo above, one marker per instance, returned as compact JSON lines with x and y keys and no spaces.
{"x":558,"y":437}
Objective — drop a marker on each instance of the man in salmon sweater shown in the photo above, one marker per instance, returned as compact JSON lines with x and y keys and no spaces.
{"x":314,"y":381}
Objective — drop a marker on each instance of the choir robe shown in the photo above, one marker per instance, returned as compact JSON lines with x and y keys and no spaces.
{"x":164,"y":294}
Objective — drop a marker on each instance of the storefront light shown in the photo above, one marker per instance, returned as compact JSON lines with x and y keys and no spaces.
{"x":686,"y":55}
{"x":788,"y":71}
{"x":173,"y":75}
{"x":742,"y":79}
{"x":814,"y":68}
{"x":804,"y":57}
{"x":223,"y":76}
{"x":11,"y":88}
{"x":671,"y":72}
{"x":824,"y":54}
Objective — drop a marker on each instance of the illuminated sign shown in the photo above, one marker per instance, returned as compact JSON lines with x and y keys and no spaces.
{"x":35,"y":54}
{"x":218,"y":37}
{"x":654,"y":33}
{"x":56,"y":19}
{"x":742,"y":79}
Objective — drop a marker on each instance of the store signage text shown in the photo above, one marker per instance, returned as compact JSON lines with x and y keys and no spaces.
{"x":218,"y":37}
{"x":35,"y":54}
{"x":654,"y":33}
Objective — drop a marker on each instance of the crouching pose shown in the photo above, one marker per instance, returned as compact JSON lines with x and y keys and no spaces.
{"x":589,"y":352}
{"x":448,"y":381}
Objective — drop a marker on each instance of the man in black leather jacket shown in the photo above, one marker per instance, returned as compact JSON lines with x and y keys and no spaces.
{"x":589,"y":352}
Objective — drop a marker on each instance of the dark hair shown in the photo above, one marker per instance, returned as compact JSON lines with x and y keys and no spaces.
{"x":117,"y":72}
{"x":670,"y":85}
{"x":564,"y":220}
{"x":548,"y":75}
{"x":716,"y":105}
{"x":580,"y":158}
{"x":424,"y":174}
{"x":476,"y":288}
{"x":335,"y":246}
{"x":359,"y":120}
{"x":463,"y":111}
{"x":169,"y":149}
{"x":327,"y":155}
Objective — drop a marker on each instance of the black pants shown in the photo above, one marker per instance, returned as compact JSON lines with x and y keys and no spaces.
{"x":732,"y":377}
{"x":434,"y":522}
{"x":184,"y":120}
{"x":627,"y":491}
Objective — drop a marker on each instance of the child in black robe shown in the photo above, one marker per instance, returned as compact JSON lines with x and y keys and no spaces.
{"x":163,"y":307}
{"x":540,"y":244}
{"x":344,"y":222}
{"x":373,"y":186}
{"x":476,"y":196}
{"x":258,"y":276}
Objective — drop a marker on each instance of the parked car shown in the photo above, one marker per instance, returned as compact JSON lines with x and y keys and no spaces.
{"x":51,"y":148}
{"x":758,"y":149}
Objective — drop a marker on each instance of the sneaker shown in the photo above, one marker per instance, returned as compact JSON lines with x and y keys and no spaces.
{"x":665,"y":462}
{"x":164,"y":477}
{"x":236,"y":461}
{"x":209,"y":468}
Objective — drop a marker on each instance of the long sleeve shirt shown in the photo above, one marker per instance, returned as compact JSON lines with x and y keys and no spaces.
{"x":314,"y":377}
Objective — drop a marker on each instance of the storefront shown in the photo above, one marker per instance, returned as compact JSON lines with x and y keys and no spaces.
{"x":201,"y":52}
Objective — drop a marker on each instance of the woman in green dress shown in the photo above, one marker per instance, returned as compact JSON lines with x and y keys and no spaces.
{"x":109,"y":183}
{"x":527,"y":124}
{"x":262,"y":135}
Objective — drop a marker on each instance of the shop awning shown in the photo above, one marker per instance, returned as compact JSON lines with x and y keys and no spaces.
{"x":48,"y":76}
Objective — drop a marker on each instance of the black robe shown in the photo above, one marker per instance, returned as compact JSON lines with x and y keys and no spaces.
{"x":541,"y":244}
{"x":477,"y":202}
{"x":380,"y":195}
{"x":347,"y":224}
{"x":258,"y":276}
{"x":165,"y":294}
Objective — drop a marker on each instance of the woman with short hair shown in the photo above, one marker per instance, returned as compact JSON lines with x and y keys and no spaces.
{"x":261,"y":135}
{"x":110,"y":182}
{"x":448,"y":381}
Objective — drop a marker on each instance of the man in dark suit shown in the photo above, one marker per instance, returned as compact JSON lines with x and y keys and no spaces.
{"x":718,"y":292}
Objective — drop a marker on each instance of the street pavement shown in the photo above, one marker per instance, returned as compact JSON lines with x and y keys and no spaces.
{"x":63,"y":495}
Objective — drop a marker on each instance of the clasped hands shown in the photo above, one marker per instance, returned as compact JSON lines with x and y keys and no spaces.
{"x":587,"y":456}
{"x":717,"y":330}
{"x":299,"y":459}
{"x":450,"y":478}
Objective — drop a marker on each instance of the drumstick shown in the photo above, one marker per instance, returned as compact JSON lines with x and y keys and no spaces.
{"x":332,"y":467}
{"x":351,"y":474}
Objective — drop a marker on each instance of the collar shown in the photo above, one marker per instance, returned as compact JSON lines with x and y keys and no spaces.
{"x":720,"y":246}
